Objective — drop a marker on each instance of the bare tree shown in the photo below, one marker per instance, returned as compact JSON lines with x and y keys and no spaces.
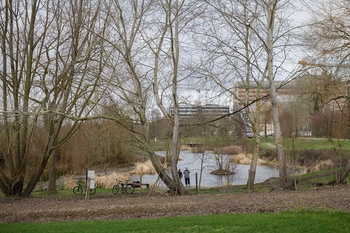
{"x":328,"y":40}
{"x":232,"y":46}
{"x":147,"y":48}
{"x":54,"y":70}
{"x":272,"y":7}
{"x":244,"y":47}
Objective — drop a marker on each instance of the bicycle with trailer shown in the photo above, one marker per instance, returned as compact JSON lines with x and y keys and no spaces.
{"x":127,"y":187}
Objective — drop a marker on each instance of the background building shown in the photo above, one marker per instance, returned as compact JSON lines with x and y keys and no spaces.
{"x":243,"y":95}
{"x":208,"y":110}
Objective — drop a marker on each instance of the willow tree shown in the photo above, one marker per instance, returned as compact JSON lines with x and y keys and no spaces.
{"x":51,"y":65}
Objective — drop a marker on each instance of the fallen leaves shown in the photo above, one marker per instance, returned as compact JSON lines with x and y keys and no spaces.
{"x":124,"y":207}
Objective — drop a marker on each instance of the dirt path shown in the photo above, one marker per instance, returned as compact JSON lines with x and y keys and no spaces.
{"x":123,"y":206}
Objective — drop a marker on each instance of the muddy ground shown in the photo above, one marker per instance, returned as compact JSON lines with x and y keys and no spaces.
{"x":127,"y":206}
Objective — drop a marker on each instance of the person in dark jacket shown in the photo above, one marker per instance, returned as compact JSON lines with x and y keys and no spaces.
{"x":180,"y":173}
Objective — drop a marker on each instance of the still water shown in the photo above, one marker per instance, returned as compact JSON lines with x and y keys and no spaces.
{"x":193,"y":162}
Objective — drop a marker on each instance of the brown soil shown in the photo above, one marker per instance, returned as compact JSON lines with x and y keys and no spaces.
{"x":126,"y":206}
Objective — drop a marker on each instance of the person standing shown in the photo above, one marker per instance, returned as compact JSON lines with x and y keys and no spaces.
{"x":187,"y":177}
{"x":180,"y":173}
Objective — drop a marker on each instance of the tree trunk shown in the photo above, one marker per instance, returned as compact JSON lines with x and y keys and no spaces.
{"x":160,"y":171}
{"x":35,"y":177}
{"x":201,"y":171}
{"x":254,"y":162}
{"x":177,"y":187}
{"x":271,"y":8}
{"x":280,"y":153}
{"x":52,"y":172}
{"x":344,"y":173}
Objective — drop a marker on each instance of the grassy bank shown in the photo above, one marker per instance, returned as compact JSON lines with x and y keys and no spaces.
{"x":301,"y":221}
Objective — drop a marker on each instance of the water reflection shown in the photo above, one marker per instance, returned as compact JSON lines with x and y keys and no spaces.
{"x":193,"y":162}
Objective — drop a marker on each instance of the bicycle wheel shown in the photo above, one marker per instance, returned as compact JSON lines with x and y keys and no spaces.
{"x":77,"y":190}
{"x":115,"y":189}
{"x":129,"y":188}
{"x":92,"y":191}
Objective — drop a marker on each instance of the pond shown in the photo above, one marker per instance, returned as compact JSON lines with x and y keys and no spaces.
{"x":193,"y":160}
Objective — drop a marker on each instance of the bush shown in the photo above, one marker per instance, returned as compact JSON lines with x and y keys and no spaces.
{"x":268,"y":155}
{"x":309,"y":158}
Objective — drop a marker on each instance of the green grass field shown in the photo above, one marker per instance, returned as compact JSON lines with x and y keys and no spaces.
{"x":268,"y":143}
{"x":308,"y":143}
{"x":301,"y":221}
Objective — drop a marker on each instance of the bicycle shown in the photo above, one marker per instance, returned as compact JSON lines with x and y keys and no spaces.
{"x":128,"y":188}
{"x":80,"y":188}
